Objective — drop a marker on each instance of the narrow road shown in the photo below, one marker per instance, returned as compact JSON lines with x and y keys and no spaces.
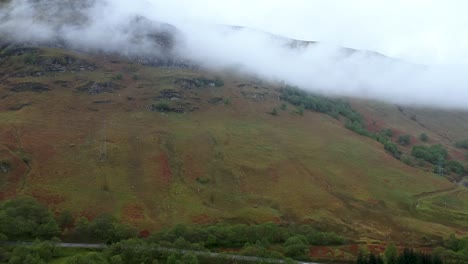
{"x":169,"y":250}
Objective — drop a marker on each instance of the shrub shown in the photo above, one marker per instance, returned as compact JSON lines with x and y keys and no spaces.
{"x":404,"y":140}
{"x":219,"y":82}
{"x":462,"y":144}
{"x":387,"y":132}
{"x":423,"y":137}
{"x":284,"y":106}
{"x":118,"y":77}
{"x":300,"y":110}
{"x":455,"y":166}
{"x":162,"y":107}
{"x":31,"y":58}
{"x":274,"y":112}
{"x":296,"y":247}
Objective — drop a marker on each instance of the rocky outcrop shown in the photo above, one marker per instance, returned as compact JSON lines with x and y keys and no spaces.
{"x":94,"y":88}
{"x":29,"y":87}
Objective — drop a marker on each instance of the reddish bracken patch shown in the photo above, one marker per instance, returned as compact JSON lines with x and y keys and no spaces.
{"x":47,"y":198}
{"x":202,"y":219}
{"x":166,"y":172}
{"x":321,"y":252}
{"x":133,"y":213}
{"x":144,"y":233}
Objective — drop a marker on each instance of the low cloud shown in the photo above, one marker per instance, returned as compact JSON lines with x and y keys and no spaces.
{"x":139,"y":29}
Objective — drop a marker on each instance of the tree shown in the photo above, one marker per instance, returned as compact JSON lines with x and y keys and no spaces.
{"x":65,"y":219}
{"x":25,"y":218}
{"x":296,"y":247}
{"x":391,"y":254}
{"x":433,"y":154}
{"x":172,"y":259}
{"x":104,"y":228}
{"x":90,"y":258}
{"x":37,"y":253}
{"x":423,"y":137}
{"x":189,"y":259}
{"x":362,"y":258}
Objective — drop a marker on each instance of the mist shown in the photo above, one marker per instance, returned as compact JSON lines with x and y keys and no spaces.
{"x":164,"y":30}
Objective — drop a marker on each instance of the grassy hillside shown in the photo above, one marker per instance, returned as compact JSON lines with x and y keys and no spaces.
{"x":157,"y":146}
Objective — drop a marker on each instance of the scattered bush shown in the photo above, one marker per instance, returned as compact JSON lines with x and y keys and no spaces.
{"x":423,"y":137}
{"x":462,"y":144}
{"x":387,"y":132}
{"x":433,"y":154}
{"x":218,"y":82}
{"x":118,"y":77}
{"x":454,"y":166}
{"x":162,"y":107}
{"x":274,"y":112}
{"x":31,"y":58}
{"x":404,"y":140}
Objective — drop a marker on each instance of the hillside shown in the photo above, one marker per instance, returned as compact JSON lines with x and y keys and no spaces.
{"x":158,"y":146}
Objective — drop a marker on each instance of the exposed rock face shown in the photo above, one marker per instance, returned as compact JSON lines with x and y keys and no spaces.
{"x":29,"y":87}
{"x":169,"y":94}
{"x":4,"y":167}
{"x":93,"y":88}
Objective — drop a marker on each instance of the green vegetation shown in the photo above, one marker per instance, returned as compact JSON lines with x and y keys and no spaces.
{"x":462,"y":144}
{"x":31,"y":58}
{"x":25,"y":218}
{"x":404,"y":140}
{"x":162,"y":107}
{"x":274,"y":112}
{"x":387,"y":132}
{"x":37,"y":253}
{"x":300,"y":110}
{"x":284,"y":106}
{"x":424,"y":137}
{"x":455,"y":166}
{"x":437,"y":155}
{"x":434,"y":154}
{"x":218,"y":82}
{"x":102,"y":229}
{"x":408,"y":256}
{"x":118,"y":77}
{"x":336,"y":108}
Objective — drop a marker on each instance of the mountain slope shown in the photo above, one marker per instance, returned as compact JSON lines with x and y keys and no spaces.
{"x":157,"y":146}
